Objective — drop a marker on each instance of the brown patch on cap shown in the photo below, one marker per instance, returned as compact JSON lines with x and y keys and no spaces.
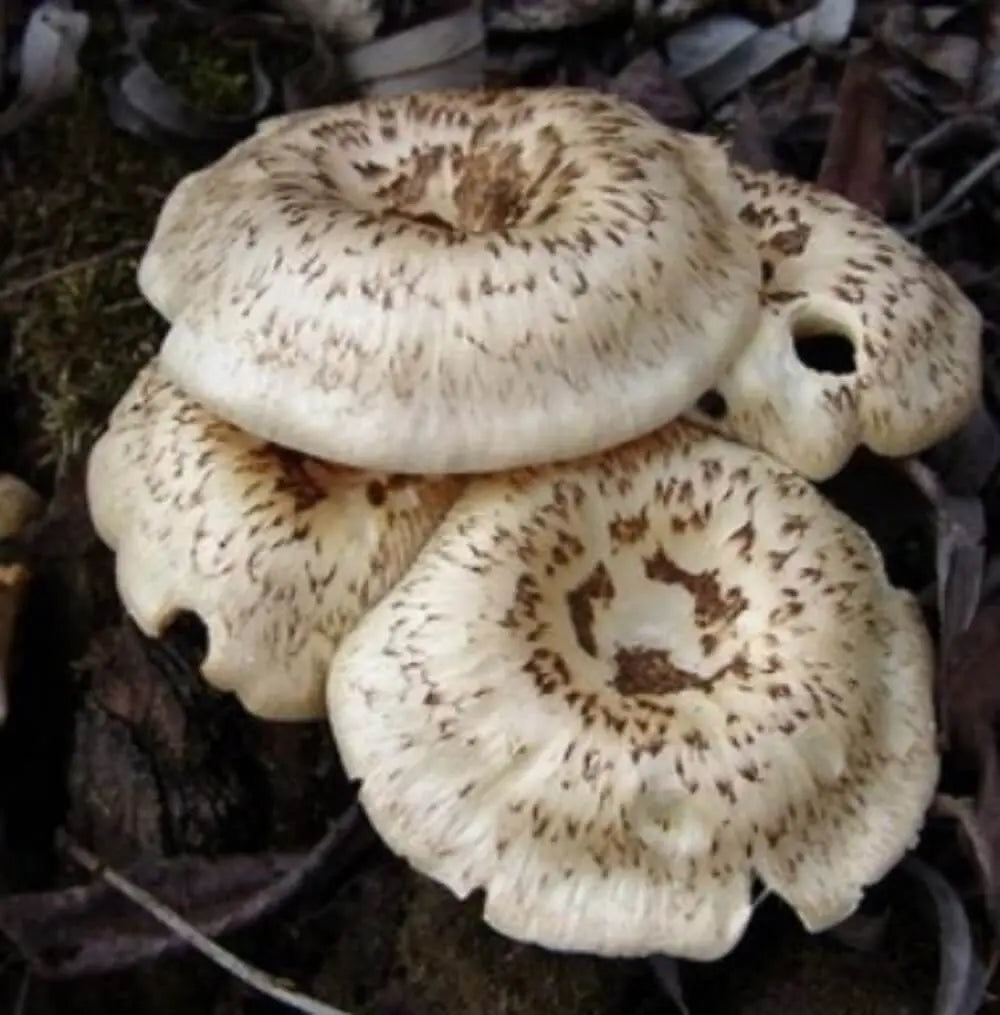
{"x":596,"y":587}
{"x":713,"y":604}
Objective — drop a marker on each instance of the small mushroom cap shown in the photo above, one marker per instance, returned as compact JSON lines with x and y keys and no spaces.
{"x":862,"y":339}
{"x":278,"y":554}
{"x":455,"y":282}
{"x":612,"y":692}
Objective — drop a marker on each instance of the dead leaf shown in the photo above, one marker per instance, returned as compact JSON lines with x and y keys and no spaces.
{"x":668,"y":975}
{"x":960,"y":556}
{"x":446,"y":52}
{"x":863,"y":931}
{"x":700,"y":46}
{"x":45,"y":61}
{"x":970,"y":684}
{"x":721,"y":54}
{"x":649,"y":82}
{"x":313,"y":80}
{"x":92,"y":929}
{"x":987,"y":78}
{"x":348,"y":24}
{"x":986,"y":817}
{"x":969,"y":706}
{"x":962,"y":977}
{"x":970,"y":457}
{"x":748,"y":141}
{"x":64,"y":530}
{"x":548,"y":15}
{"x":854,"y":162}
{"x":915,"y":34}
{"x":963,"y":811}
{"x":141,"y":102}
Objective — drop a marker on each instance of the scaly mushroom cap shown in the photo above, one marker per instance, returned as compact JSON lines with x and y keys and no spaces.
{"x":455,"y":282}
{"x":610,"y":693}
{"x":278,"y":554}
{"x":862,"y":339}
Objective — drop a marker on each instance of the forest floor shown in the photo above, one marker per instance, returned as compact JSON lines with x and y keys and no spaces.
{"x":113,"y":741}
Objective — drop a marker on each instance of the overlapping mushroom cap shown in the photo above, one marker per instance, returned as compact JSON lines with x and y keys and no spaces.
{"x":456,"y":282}
{"x":611,"y":693}
{"x":862,"y":339}
{"x":278,"y":554}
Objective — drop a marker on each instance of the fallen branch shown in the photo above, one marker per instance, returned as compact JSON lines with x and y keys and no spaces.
{"x":251,"y":976}
{"x":956,"y":193}
{"x":944,"y":134}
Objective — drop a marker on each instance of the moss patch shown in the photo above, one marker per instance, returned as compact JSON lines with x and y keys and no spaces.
{"x":78,"y":205}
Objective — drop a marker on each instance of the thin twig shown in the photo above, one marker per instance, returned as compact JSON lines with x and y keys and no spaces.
{"x":127,"y":305}
{"x":21,"y":1004}
{"x":70,"y":268}
{"x":961,"y":189}
{"x":943,"y":133}
{"x":253,"y":977}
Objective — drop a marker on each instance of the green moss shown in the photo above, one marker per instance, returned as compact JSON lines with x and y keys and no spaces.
{"x":79,"y":327}
{"x":77,"y":208}
{"x":214,"y":75}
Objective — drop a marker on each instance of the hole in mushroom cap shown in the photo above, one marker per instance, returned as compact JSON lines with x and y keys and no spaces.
{"x":824,"y":345}
{"x":712,"y":404}
{"x":187,"y":635}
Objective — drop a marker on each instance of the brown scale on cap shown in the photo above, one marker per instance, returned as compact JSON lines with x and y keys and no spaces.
{"x":862,"y":340}
{"x":610,"y":693}
{"x":440,"y":282}
{"x":277,"y":553}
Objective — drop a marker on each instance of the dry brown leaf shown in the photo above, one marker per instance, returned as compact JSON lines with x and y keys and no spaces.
{"x":92,"y":929}
{"x":649,"y":82}
{"x":969,"y":695}
{"x":854,"y":163}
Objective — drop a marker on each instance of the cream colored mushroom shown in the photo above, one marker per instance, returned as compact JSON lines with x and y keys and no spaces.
{"x":611,"y":693}
{"x":278,"y":554}
{"x":454,"y":282}
{"x":862,"y":339}
{"x":19,"y":504}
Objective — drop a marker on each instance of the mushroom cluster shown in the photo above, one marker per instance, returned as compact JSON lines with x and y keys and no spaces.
{"x":485,"y":426}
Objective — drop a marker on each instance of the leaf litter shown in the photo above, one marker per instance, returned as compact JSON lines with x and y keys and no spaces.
{"x":892,"y":104}
{"x":44,"y":61}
